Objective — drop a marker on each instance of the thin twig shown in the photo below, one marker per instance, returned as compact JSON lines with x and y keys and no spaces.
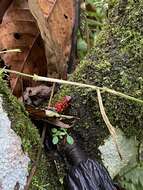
{"x":52,"y":93}
{"x":34,"y":168}
{"x":107,"y":122}
{"x":104,"y":89}
{"x":11,"y":51}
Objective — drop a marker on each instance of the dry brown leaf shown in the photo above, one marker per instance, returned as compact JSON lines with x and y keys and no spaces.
{"x":19,"y":30}
{"x":58,"y":123}
{"x":4,"y":4}
{"x":36,"y":95}
{"x":55,"y":19}
{"x":107,"y":122}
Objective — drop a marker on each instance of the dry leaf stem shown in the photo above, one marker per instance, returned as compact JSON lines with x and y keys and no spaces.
{"x":52,"y":94}
{"x":10,"y":51}
{"x":46,"y":79}
{"x":107,"y":122}
{"x":34,"y":168}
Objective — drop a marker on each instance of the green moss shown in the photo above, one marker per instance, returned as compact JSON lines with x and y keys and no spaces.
{"x":22,"y":126}
{"x":46,"y":175}
{"x":116,"y":62}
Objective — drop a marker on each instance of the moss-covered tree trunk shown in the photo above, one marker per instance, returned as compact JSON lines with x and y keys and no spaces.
{"x":115,"y":62}
{"x":19,"y":145}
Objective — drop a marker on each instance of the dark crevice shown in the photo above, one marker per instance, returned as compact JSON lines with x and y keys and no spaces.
{"x":66,"y":17}
{"x":17,"y":35}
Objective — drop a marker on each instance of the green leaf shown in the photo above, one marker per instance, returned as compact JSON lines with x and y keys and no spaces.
{"x":54,"y":130}
{"x":58,"y":133}
{"x":61,"y":137}
{"x":70,"y":139}
{"x":62,"y":133}
{"x":55,"y":140}
{"x":63,"y":129}
{"x":133,"y":178}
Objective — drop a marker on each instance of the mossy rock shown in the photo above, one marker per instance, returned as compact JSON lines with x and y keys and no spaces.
{"x":116,"y":62}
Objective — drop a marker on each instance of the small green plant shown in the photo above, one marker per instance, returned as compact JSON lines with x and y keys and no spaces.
{"x":60,"y":134}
